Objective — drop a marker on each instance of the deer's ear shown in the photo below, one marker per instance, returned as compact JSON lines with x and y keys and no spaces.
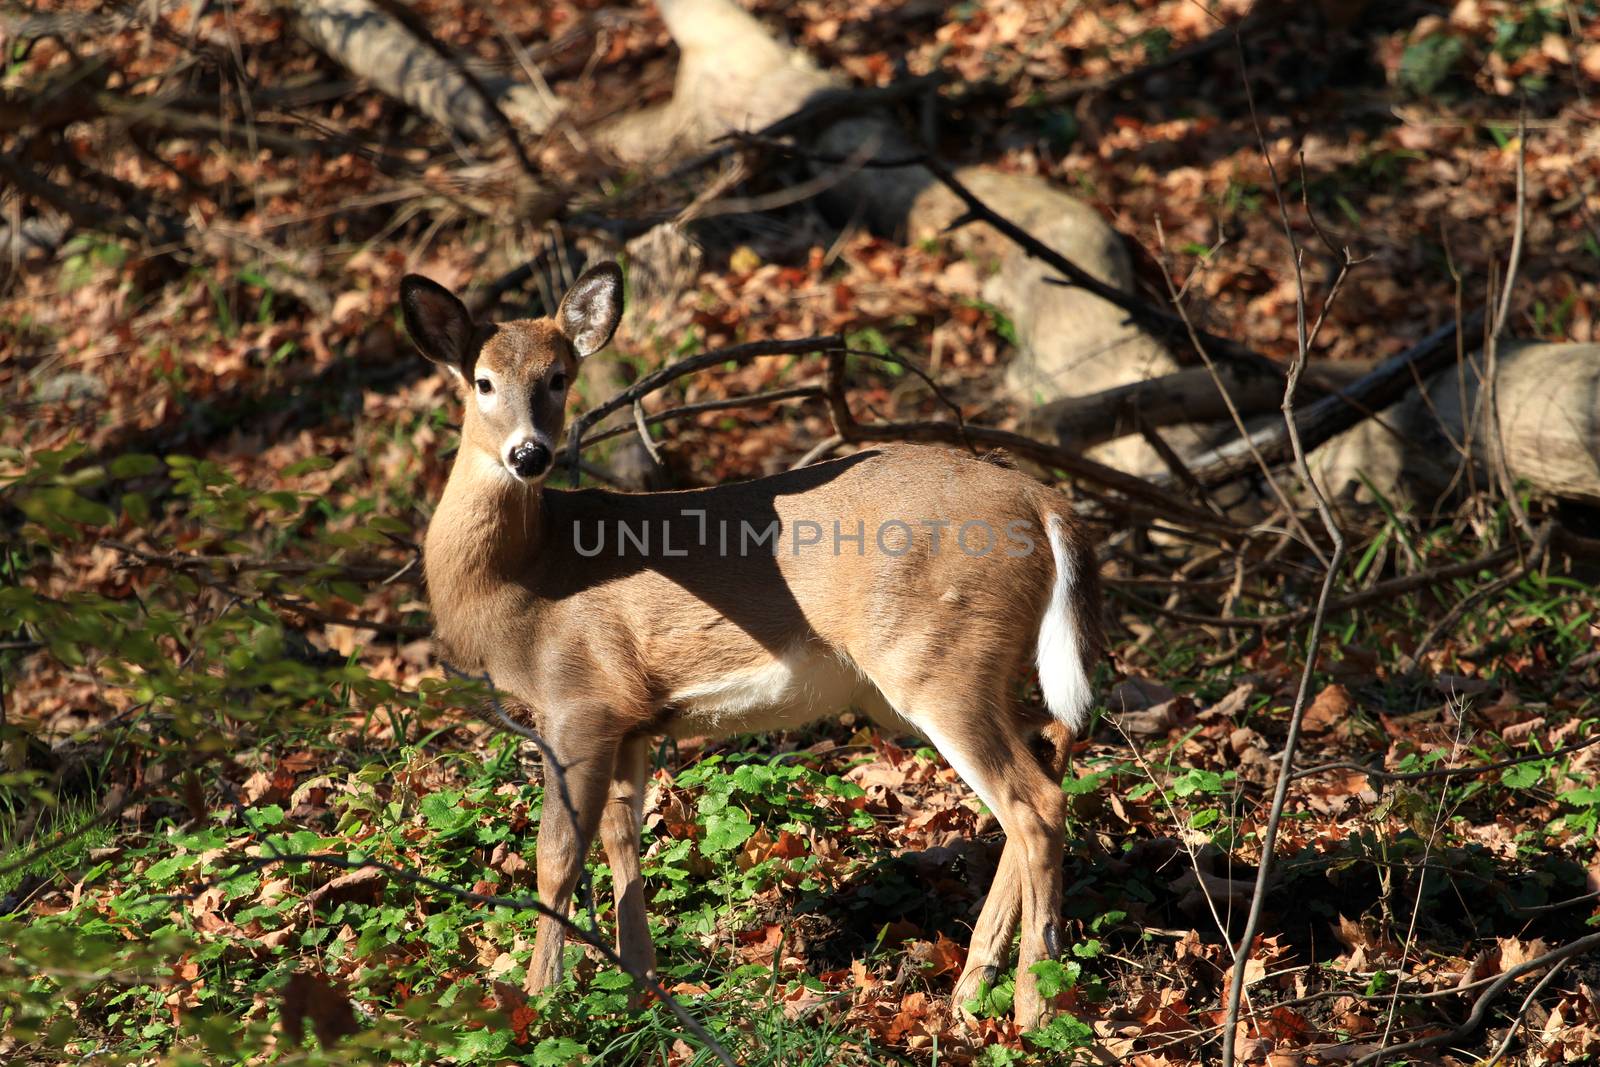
{"x":437,"y":322}
{"x":590,"y":311}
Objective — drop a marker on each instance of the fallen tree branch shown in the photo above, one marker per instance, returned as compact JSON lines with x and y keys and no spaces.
{"x":1188,"y":395}
{"x":1303,"y":340}
{"x":1337,"y":412}
{"x":1480,"y":1006}
{"x":372,"y":44}
{"x":1166,"y":324}
{"x":849,"y":430}
{"x":419,"y":29}
{"x":1445,"y":772}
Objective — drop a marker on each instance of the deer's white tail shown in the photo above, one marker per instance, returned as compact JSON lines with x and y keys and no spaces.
{"x":1063,"y":670}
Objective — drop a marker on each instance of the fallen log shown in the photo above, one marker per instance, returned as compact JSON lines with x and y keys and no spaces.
{"x":1548,"y":402}
{"x":375,"y":46}
{"x":1321,"y":421}
{"x":1187,"y":396}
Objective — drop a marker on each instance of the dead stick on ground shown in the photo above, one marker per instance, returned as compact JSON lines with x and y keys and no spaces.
{"x":1541,"y":546}
{"x":1331,"y":525}
{"x":1480,"y":1007}
{"x":1527,"y":1002}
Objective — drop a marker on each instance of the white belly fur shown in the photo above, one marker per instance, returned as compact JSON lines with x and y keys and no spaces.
{"x":795,"y":688}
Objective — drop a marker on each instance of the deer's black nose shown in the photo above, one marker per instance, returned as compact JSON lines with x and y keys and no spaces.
{"x":530,"y":459}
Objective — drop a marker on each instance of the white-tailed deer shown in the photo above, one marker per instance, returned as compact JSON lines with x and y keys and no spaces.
{"x":918,"y":585}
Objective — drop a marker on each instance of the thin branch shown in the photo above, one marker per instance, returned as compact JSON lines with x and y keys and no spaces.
{"x":1233,"y":410}
{"x":237,"y":564}
{"x":683,"y":368}
{"x":1527,"y":1002}
{"x":808,"y":392}
{"x":1444,"y":772}
{"x":1480,"y":1007}
{"x":644,"y":431}
{"x":298,"y":605}
{"x":1541,"y":548}
{"x":1314,"y":640}
{"x":1497,"y":326}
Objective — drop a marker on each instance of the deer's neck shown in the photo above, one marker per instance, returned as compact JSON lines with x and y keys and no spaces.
{"x":484,"y":537}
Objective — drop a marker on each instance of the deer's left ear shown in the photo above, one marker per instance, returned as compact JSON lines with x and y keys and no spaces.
{"x":590,"y":311}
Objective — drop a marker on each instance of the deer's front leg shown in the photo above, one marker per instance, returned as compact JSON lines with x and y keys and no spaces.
{"x":576,"y":785}
{"x":619,"y":833}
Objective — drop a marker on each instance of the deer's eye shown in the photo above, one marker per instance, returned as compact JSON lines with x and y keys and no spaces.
{"x":485,"y":386}
{"x":558,"y":382}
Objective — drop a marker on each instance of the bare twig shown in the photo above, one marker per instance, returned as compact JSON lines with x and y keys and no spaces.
{"x":643,"y":428}
{"x":1322,"y":420}
{"x":1497,"y":326}
{"x":1314,"y":640}
{"x":682,"y":369}
{"x":799,"y":392}
{"x":1527,"y":1002}
{"x":1541,"y":547}
{"x":1480,"y":1007}
{"x":236,"y":564}
{"x":298,"y":605}
{"x":1444,"y":772}
{"x":1233,"y":411}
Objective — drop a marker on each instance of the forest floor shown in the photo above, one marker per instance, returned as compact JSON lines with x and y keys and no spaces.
{"x":219,"y":452}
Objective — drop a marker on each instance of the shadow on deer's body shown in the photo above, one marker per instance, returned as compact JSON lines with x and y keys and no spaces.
{"x":918,"y":585}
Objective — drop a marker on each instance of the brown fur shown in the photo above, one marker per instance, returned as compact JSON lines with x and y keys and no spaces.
{"x":608,"y":649}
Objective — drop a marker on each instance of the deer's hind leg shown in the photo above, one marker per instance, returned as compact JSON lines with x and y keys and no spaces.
{"x":989,"y":746}
{"x":990,"y":947}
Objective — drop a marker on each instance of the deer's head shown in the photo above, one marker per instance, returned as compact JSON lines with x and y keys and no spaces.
{"x":514,"y":375}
